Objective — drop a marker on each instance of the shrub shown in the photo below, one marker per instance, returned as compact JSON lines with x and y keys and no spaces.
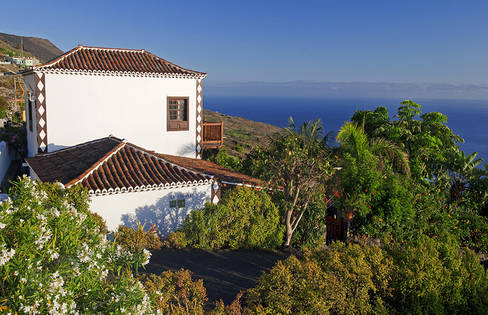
{"x":135,"y":240}
{"x":228,"y":161}
{"x":310,"y":233}
{"x":243,"y":219}
{"x":175,"y":239}
{"x":175,"y":292}
{"x":15,"y":137}
{"x":433,"y":276}
{"x":345,"y":278}
{"x":55,"y":260}
{"x":427,"y":276}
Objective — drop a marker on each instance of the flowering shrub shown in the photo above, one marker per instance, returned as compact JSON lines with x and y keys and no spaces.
{"x":55,"y":260}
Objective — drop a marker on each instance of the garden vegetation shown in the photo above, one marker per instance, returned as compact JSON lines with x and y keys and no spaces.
{"x":419,"y":229}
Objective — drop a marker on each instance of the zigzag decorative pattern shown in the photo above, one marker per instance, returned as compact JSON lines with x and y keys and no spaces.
{"x":199,"y":117}
{"x":40,"y":82}
{"x":215,"y":193}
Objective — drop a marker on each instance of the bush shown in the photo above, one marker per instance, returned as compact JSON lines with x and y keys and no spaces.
{"x":135,"y":240}
{"x":310,"y":233}
{"x":427,"y":276}
{"x":175,"y":239}
{"x":175,"y":292}
{"x":244,"y":218}
{"x":15,"y":137}
{"x":55,"y":260}
{"x":438,"y":277}
{"x":345,"y":278}
{"x":227,"y":161}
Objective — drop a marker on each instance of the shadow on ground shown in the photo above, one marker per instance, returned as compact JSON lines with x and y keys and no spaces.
{"x":224,"y":272}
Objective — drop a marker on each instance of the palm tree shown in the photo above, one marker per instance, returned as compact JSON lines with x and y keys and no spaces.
{"x":354,"y":140}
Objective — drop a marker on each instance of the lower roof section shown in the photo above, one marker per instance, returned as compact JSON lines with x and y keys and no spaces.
{"x":111,"y":164}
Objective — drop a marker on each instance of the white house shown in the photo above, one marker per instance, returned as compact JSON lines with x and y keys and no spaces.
{"x":80,"y":97}
{"x":90,"y":92}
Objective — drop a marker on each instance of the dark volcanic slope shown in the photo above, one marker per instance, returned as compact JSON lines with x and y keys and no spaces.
{"x":39,"y":47}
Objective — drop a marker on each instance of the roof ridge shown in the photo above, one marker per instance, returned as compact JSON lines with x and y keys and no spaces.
{"x":97,"y":164}
{"x":111,"y":48}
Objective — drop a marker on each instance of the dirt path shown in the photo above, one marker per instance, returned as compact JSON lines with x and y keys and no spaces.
{"x":224,"y":272}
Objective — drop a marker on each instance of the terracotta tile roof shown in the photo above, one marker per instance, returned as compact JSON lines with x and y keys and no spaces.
{"x":96,"y":59}
{"x":111,"y":165}
{"x":117,"y":166}
{"x":207,"y":167}
{"x":66,"y":164}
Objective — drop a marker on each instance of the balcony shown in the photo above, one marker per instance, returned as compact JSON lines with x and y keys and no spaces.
{"x":213,"y":134}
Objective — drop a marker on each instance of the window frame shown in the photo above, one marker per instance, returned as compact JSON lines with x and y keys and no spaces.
{"x":178,"y":125}
{"x":179,"y":203}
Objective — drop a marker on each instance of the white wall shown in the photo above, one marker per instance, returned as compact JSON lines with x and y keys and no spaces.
{"x":29,"y":85}
{"x":82,"y":108}
{"x":150,"y":207}
{"x":5,"y":159}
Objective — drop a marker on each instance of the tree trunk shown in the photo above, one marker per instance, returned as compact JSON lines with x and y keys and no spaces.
{"x":289,"y":229}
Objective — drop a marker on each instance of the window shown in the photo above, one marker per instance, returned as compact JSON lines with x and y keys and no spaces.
{"x":29,"y":105}
{"x":177,"y":113}
{"x":180,"y":203}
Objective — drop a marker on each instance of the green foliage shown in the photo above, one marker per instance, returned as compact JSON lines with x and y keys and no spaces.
{"x":427,"y":276}
{"x":227,"y":161}
{"x":175,"y":292}
{"x":342,"y":279}
{"x":310,"y":233}
{"x":295,"y":163}
{"x":135,"y":240}
{"x":3,"y":107}
{"x":243,"y":219}
{"x":437,"y":277}
{"x":427,"y":140}
{"x":53,"y":258}
{"x":15,"y":137}
{"x":176,"y":239}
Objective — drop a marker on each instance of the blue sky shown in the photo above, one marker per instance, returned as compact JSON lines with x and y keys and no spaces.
{"x":279,"y":41}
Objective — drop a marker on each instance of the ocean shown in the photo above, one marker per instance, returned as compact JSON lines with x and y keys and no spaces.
{"x":467,"y":118}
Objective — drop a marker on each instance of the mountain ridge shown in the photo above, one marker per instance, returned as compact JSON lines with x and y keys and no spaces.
{"x":42,"y":48}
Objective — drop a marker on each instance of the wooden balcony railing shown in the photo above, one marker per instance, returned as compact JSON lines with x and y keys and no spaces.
{"x":213,"y":134}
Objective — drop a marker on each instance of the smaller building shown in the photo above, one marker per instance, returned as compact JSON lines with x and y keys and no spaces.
{"x":15,"y":60}
{"x":31,"y":61}
{"x":129,"y":184}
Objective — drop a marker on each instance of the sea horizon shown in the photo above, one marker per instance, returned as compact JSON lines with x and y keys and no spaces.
{"x":466,"y":117}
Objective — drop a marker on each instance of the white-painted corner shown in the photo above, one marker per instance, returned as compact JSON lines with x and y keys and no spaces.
{"x":5,"y":159}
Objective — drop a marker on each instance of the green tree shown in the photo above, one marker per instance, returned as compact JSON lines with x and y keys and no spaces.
{"x":244,"y":218}
{"x":427,"y":140}
{"x":296,"y":164}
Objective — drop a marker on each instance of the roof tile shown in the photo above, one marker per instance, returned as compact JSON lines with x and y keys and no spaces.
{"x":111,"y":163}
{"x":84,"y":58}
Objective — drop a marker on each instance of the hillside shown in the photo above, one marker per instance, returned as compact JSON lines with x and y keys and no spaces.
{"x":39,"y":47}
{"x":241,"y":134}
